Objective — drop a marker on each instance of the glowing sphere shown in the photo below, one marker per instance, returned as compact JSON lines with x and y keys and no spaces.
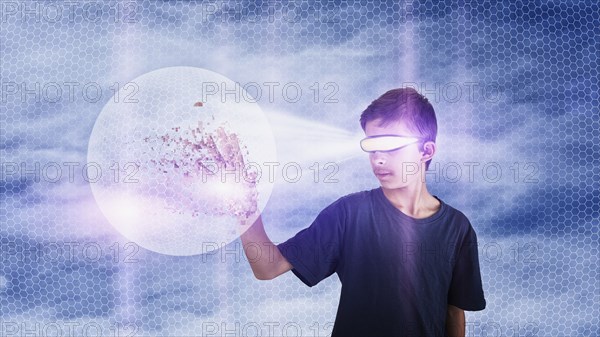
{"x":169,"y":177}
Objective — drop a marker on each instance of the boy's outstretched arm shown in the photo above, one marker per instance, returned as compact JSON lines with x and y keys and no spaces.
{"x":264,"y":257}
{"x":455,"y":322}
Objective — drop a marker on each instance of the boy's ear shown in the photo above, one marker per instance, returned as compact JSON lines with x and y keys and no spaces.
{"x":428,"y":150}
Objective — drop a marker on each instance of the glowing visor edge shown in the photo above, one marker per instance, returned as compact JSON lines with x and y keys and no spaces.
{"x":386,"y":143}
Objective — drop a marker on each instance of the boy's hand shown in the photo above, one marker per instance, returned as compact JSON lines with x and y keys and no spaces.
{"x":206,"y":172}
{"x":239,"y":190}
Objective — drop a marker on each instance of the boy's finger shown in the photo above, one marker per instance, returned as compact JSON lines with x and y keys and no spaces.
{"x":213,"y":149}
{"x":238,"y":151}
{"x":227,"y":149}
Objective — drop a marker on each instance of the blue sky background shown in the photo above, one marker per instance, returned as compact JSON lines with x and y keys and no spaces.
{"x":513,"y":83}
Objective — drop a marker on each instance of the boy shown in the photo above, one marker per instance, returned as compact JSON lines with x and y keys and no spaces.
{"x":407,"y":261}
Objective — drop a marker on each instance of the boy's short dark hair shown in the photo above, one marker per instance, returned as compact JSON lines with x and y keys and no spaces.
{"x":404,"y":104}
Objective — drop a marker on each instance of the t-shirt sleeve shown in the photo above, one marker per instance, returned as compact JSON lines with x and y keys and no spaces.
{"x":314,"y":252}
{"x":466,"y":291}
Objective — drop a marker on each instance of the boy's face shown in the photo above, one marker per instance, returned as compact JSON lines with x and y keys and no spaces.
{"x":399,"y":168}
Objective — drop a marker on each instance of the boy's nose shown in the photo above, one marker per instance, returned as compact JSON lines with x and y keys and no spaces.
{"x":378,"y":158}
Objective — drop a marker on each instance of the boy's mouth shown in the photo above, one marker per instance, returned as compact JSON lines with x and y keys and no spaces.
{"x":382,"y":173}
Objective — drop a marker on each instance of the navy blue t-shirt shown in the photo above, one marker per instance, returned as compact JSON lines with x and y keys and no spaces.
{"x":398,"y":273}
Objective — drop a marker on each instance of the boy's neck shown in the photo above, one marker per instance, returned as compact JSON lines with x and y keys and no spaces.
{"x":414,"y":201}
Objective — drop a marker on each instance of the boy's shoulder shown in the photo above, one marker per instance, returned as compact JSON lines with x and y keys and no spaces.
{"x":348,"y":204}
{"x":359,"y":196}
{"x":457,"y":219}
{"x":455,"y":212}
{"x":356,"y":199}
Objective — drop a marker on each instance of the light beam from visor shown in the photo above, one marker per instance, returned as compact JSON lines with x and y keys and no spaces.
{"x":305,"y":141}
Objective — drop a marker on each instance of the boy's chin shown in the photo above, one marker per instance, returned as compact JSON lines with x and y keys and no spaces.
{"x":397,"y":184}
{"x":391,"y":185}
